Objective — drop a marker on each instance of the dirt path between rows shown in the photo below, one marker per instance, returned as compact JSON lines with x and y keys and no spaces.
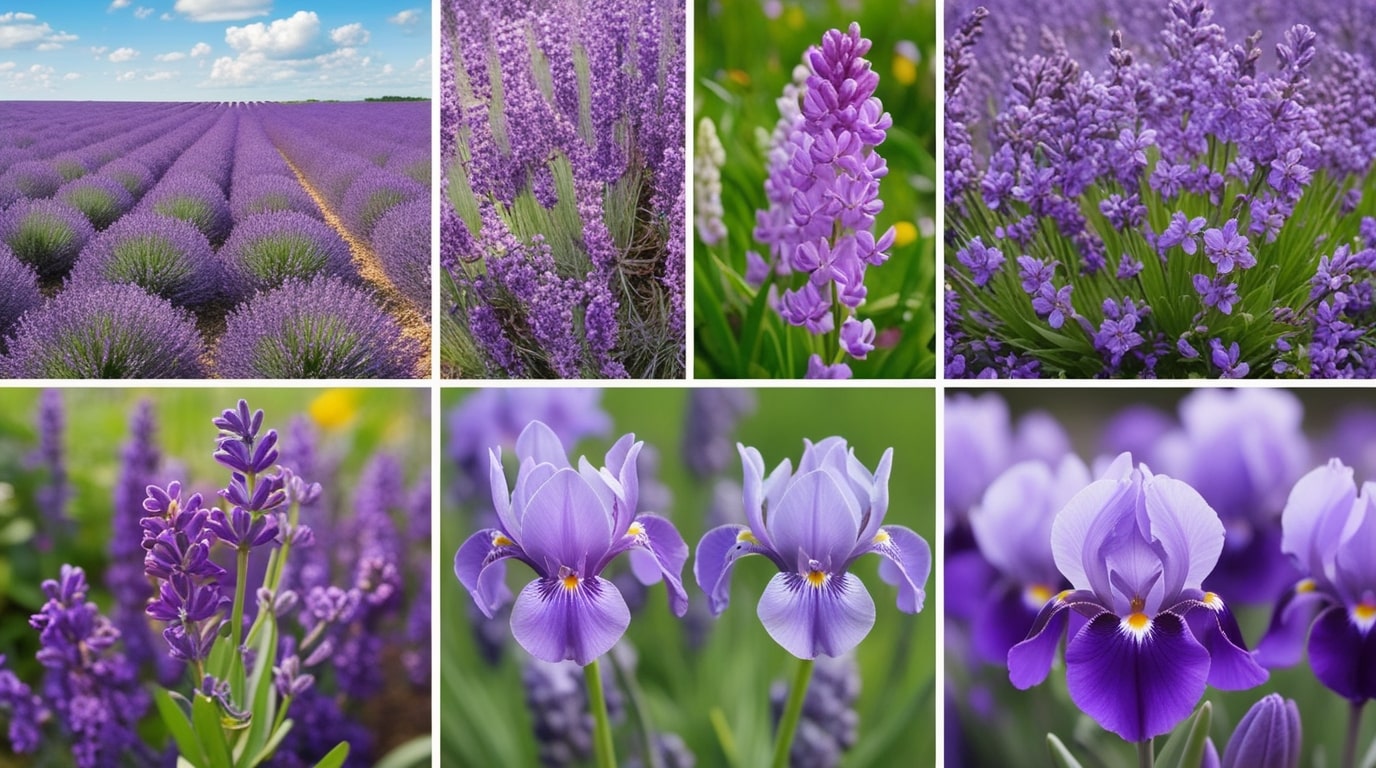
{"x":413,"y":323}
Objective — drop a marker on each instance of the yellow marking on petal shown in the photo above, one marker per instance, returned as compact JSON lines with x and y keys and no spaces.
{"x":882,"y":537}
{"x":817,"y":579}
{"x":334,"y":408}
{"x":1365,"y":613}
{"x":500,"y":540}
{"x":1063,"y":594}
{"x":904,"y":233}
{"x":1137,"y":624}
{"x":747,"y":537}
{"x":636,"y":529}
{"x":904,"y":70}
{"x":738,"y":76}
{"x":1040,"y":594}
{"x":1213,"y":601}
{"x":570,"y":582}
{"x":1305,"y":585}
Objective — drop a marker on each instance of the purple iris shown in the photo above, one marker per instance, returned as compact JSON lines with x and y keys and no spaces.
{"x":1329,"y":530}
{"x":1136,"y":548}
{"x":813,"y":524}
{"x":567,"y":524}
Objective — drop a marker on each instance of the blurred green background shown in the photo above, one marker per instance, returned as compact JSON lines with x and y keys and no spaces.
{"x":351,"y":425}
{"x":745,"y":53}
{"x":484,"y":721}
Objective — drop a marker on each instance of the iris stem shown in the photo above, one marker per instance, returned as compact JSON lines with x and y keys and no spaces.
{"x":603,"y":747}
{"x":793,"y":711}
{"x":1146,"y":756}
{"x":1354,"y":727}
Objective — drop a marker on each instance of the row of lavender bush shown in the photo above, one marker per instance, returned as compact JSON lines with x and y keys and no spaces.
{"x":184,"y":245}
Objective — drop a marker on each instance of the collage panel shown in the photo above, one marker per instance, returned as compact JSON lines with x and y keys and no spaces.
{"x":563,"y":201}
{"x":215,"y":578}
{"x":815,"y":196}
{"x":1158,"y":189}
{"x":224,"y":191}
{"x":807,"y":655}
{"x":1159,"y":576}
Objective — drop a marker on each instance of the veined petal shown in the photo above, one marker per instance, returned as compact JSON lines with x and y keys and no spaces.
{"x":1029,"y":661}
{"x":1315,"y":515}
{"x":1354,"y":565}
{"x":501,"y":496}
{"x":622,"y":460}
{"x":660,"y":541}
{"x":1283,"y":643}
{"x":753,"y":491}
{"x":565,"y":525}
{"x":480,"y":565}
{"x":878,"y":491}
{"x":1137,"y":686}
{"x":538,"y":442}
{"x":718,"y":551}
{"x":1082,"y":527}
{"x":815,"y":520}
{"x":1231,"y":666}
{"x":1342,"y":656}
{"x":810,"y":621}
{"x":1188,"y":530}
{"x":529,"y":479}
{"x":907,"y":563}
{"x":554,"y":622}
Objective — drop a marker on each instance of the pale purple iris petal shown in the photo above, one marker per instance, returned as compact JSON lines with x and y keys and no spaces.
{"x":501,"y":496}
{"x":1012,"y":525}
{"x":554,"y":623}
{"x":1188,"y":531}
{"x":528,"y":480}
{"x":966,"y":573}
{"x":877,"y":488}
{"x":1082,"y":527}
{"x":1029,"y":662}
{"x":538,"y":442}
{"x":1355,"y":560}
{"x":907,"y":564}
{"x":1231,"y":666}
{"x":603,"y":483}
{"x":810,"y":621}
{"x":667,"y":553}
{"x":1283,"y":643}
{"x":1314,"y":517}
{"x":1341,"y":655}
{"x":621,"y":463}
{"x":1136,"y":687}
{"x":565,"y":526}
{"x":815,"y":521}
{"x":753,"y":489}
{"x":482,"y":576}
{"x":718,"y":551}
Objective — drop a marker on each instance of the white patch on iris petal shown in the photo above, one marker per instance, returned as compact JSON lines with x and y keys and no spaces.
{"x":1036,"y":596}
{"x":1364,"y":615}
{"x":1213,"y":602}
{"x":1136,"y":625}
{"x":636,"y":530}
{"x":881,"y":538}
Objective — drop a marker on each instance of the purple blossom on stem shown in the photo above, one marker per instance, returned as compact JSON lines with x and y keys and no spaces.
{"x":1227,"y":360}
{"x":1182,"y":231}
{"x":1219,"y":293}
{"x":818,"y":369}
{"x":982,"y":261}
{"x":1226,"y":248}
{"x":1268,"y":736}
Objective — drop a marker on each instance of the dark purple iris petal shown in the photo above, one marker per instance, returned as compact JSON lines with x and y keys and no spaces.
{"x":1283,"y":643}
{"x":1342,"y":656}
{"x":1001,"y":623}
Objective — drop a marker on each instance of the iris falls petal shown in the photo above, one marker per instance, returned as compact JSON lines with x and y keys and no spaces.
{"x":814,"y":617}
{"x":907,"y":564}
{"x":558,"y":619}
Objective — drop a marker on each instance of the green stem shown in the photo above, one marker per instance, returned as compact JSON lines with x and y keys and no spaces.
{"x":1354,"y":727}
{"x":642,"y":720}
{"x":1146,"y":758}
{"x":793,"y":712}
{"x":603,"y":747}
{"x":236,"y":622}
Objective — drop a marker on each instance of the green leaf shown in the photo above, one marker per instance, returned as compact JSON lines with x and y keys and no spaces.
{"x":412,"y":754}
{"x":1059,"y":754}
{"x":273,"y":741}
{"x":1185,"y":748}
{"x":264,"y":711}
{"x":179,"y":725}
{"x":336,"y":757}
{"x":205,"y":714}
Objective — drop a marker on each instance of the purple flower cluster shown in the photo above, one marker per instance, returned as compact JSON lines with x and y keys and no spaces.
{"x":21,"y":292}
{"x":47,"y":235}
{"x":267,"y":249}
{"x":823,"y":191}
{"x":165,"y":256}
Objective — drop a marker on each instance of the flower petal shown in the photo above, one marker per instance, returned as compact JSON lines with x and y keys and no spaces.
{"x":667,"y":553}
{"x":813,"y":621}
{"x":753,"y":491}
{"x":907,"y":564}
{"x":965,"y":578}
{"x":1187,"y":529}
{"x":501,"y":496}
{"x":538,"y":442}
{"x":1136,"y":687}
{"x":816,"y":520}
{"x":718,"y":551}
{"x":1002,"y":622}
{"x":1082,"y":527}
{"x":554,"y":623}
{"x":1231,"y":666}
{"x":878,"y":490}
{"x":621,"y":464}
{"x":1342,"y":657}
{"x":565,"y":525}
{"x":1315,"y":514}
{"x":1283,"y":643}
{"x":481,"y":568}
{"x":1029,"y":662}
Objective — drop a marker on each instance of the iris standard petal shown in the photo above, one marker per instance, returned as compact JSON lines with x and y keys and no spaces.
{"x":811,"y":621}
{"x":815,"y":520}
{"x":1342,"y":656}
{"x":1231,"y":666}
{"x":565,"y":526}
{"x":621,"y":464}
{"x":659,"y":542}
{"x":1137,"y":686}
{"x":753,"y":491}
{"x":1314,"y":516}
{"x":1081,"y":528}
{"x":1354,"y":563}
{"x":1187,"y":529}
{"x":718,"y":551}
{"x":480,"y":565}
{"x":556,"y":622}
{"x":501,"y":496}
{"x":529,"y":480}
{"x":539,"y":442}
{"x":878,"y":491}
{"x":1283,"y":643}
{"x":907,"y":564}
{"x":1012,"y":524}
{"x":1029,"y":662}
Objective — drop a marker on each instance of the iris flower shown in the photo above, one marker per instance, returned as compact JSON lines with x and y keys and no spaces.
{"x":1329,"y":530}
{"x":567,"y":524}
{"x":1136,"y":548}
{"x":813,"y":524}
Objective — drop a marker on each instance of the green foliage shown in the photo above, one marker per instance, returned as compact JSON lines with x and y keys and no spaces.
{"x":149,"y":261}
{"x":274,"y":258}
{"x":39,"y":238}
{"x":98,"y":205}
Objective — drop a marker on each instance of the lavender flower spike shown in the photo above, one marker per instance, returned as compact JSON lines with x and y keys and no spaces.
{"x":567,"y":524}
{"x":813,"y":525}
{"x":1136,"y":548}
{"x":1329,"y":531}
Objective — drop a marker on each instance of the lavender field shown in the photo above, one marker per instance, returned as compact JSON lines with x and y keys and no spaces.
{"x":185,"y":240}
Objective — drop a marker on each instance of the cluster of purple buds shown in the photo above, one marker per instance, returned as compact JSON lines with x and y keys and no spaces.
{"x":823,"y":191}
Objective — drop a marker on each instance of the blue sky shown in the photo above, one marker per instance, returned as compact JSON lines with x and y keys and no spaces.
{"x":214,"y":50}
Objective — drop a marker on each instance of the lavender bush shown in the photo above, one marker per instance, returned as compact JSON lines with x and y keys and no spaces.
{"x":562,"y":227}
{"x":21,"y":291}
{"x":1157,"y":190}
{"x":102,"y":199}
{"x":164,"y":256}
{"x":45,"y":234}
{"x":268,"y":249}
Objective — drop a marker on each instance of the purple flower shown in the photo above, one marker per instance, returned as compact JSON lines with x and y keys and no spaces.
{"x":1136,"y":548}
{"x":813,"y":525}
{"x":31,"y":179}
{"x":194,"y":198}
{"x":567,"y":525}
{"x":818,"y":369}
{"x":164,"y":256}
{"x":1268,"y":736}
{"x":21,"y":292}
{"x":100,"y":198}
{"x":857,"y":337}
{"x":401,"y":240}
{"x":1053,"y":304}
{"x":1218,"y":293}
{"x":709,"y":422}
{"x":1182,"y":231}
{"x":1227,"y":360}
{"x":1329,"y":531}
{"x":1226,"y":248}
{"x":269,"y":192}
{"x":982,"y":261}
{"x":372,"y":194}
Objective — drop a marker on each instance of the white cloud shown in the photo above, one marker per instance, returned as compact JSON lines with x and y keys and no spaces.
{"x":6,"y":66}
{"x":123,"y":54}
{"x":288,"y":38}
{"x":199,"y":49}
{"x":350,"y":34}
{"x":99,"y":50}
{"x":142,"y":13}
{"x":406,"y":18}
{"x":21,"y":30}
{"x":124,"y":77}
{"x":160,"y":75}
{"x":173,"y":56}
{"x":118,"y":4}
{"x":72,"y":76}
{"x":166,"y":17}
{"x":222,"y":10}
